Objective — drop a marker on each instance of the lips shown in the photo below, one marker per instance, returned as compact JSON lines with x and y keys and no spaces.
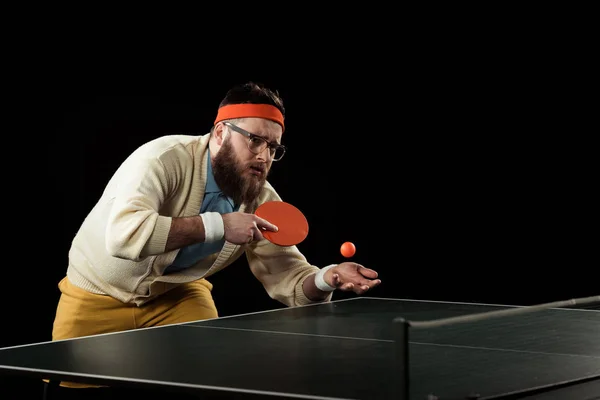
{"x":258,"y":171}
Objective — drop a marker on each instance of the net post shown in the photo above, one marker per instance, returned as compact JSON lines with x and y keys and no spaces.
{"x":401,"y":359}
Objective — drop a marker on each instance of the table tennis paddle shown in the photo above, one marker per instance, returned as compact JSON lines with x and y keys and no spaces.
{"x":292,"y":224}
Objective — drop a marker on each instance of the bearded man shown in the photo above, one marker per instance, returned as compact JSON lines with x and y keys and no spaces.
{"x":179,"y":209}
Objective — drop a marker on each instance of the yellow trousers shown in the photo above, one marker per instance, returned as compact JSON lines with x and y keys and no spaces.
{"x":81,"y":313}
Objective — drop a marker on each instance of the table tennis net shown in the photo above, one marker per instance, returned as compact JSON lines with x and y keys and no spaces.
{"x":588,"y":302}
{"x":524,"y":349}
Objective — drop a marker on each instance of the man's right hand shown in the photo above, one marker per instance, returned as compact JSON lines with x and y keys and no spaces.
{"x":242,"y":228}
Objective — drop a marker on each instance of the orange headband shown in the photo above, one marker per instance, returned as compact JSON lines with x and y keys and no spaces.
{"x":266,"y":111}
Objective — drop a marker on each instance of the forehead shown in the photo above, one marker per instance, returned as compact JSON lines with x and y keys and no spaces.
{"x":270,"y":130}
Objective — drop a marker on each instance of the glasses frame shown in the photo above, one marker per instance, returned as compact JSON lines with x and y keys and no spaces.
{"x":273,"y":147}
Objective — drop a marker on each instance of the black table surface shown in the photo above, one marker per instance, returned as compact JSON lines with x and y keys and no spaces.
{"x":343,"y":349}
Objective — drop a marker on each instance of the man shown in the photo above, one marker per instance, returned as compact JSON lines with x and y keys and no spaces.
{"x":179,"y":209}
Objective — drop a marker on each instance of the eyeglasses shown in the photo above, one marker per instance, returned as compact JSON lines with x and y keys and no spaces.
{"x":257,"y":144}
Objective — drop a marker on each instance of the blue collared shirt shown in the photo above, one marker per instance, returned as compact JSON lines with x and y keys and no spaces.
{"x":215,"y":201}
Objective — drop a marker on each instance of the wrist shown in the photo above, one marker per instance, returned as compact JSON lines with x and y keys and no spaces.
{"x":214,"y":229}
{"x":320,"y":282}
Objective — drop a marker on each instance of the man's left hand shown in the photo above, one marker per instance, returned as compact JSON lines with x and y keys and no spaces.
{"x":350,"y":276}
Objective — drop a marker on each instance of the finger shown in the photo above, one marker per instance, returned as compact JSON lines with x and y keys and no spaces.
{"x":361,"y":289}
{"x":367,"y":272}
{"x":251,"y":236}
{"x":335,"y":280}
{"x":370,"y":284}
{"x":365,"y":286}
{"x":347,"y":286}
{"x":257,"y":234}
{"x":265,"y":225}
{"x":375,"y":282}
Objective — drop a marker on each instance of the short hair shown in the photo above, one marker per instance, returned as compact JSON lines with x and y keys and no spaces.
{"x":253,"y":93}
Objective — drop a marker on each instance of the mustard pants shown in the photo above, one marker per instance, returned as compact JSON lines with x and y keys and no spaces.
{"x":81,"y":313}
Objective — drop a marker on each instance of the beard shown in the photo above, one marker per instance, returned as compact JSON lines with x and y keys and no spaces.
{"x":233,"y":178}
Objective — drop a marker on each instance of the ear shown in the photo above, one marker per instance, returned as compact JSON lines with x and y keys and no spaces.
{"x":220,"y":133}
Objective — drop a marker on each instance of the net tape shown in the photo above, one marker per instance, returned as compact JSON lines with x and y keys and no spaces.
{"x":502,"y":313}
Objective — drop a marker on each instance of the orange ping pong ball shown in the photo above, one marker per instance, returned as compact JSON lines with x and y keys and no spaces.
{"x":348,"y":249}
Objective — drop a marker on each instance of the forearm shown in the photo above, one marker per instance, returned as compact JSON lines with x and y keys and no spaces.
{"x":185,"y":231}
{"x":312,"y":291}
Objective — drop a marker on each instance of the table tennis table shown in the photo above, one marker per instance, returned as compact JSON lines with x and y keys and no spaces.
{"x":355,"y":348}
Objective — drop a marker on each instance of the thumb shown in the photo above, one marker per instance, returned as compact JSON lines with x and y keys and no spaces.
{"x":368,"y":272}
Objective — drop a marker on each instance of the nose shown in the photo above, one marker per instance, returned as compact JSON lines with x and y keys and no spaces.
{"x":265,"y":155}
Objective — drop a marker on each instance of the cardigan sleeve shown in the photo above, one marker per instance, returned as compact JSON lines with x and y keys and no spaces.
{"x":135,"y":229}
{"x":282,"y":272}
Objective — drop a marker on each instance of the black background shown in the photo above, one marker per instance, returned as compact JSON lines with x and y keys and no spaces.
{"x":456,"y":150}
{"x":458,"y":182}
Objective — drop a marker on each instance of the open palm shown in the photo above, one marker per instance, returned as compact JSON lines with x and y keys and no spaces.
{"x":350,"y":276}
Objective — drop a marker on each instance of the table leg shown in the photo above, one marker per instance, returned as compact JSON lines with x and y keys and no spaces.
{"x":50,"y":389}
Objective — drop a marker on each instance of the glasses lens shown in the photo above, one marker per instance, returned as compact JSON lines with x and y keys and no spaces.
{"x":257,"y":145}
{"x":278,"y":154}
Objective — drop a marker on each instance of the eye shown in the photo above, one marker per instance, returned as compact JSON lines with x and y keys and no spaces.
{"x":256,"y":140}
